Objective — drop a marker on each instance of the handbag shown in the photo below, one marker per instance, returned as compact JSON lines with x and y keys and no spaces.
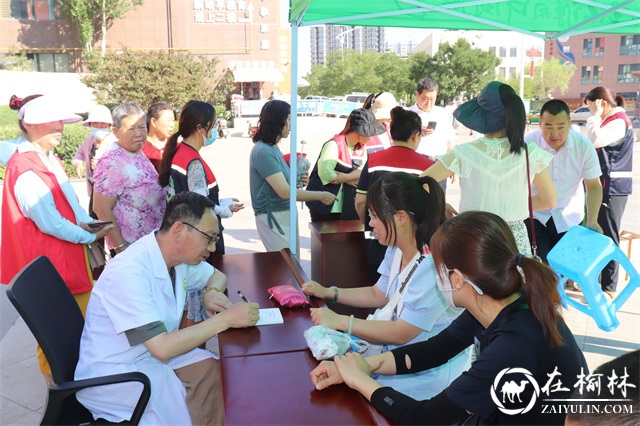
{"x":97,"y":260}
{"x":534,"y":245}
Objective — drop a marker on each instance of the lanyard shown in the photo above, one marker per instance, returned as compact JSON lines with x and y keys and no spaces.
{"x":406,"y":280}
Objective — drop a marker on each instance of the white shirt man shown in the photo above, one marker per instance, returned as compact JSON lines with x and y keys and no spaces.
{"x":574,"y":161}
{"x":439,"y":140}
{"x":133,"y":316}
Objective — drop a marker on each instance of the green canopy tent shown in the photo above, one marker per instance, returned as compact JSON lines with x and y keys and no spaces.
{"x":553,"y":18}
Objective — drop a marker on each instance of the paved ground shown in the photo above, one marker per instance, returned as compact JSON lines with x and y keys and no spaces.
{"x":23,"y":393}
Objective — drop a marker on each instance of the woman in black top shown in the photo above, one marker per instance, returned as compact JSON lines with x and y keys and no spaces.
{"x":525,"y":354}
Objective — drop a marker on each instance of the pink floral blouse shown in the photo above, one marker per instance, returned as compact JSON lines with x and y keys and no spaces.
{"x":132,"y":179}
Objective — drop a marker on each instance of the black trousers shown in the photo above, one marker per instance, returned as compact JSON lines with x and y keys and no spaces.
{"x":547,"y":236}
{"x":319,"y":217}
{"x":609,"y":219}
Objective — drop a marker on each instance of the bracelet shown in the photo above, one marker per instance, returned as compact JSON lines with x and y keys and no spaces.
{"x":335,"y":293}
{"x":350,"y":324}
{"x":121,"y":245}
{"x":205,"y":292}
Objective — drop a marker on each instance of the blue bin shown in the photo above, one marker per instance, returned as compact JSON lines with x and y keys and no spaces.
{"x":581,"y":255}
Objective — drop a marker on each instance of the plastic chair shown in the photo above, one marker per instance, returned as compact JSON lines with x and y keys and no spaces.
{"x":48,"y":308}
{"x":581,"y":255}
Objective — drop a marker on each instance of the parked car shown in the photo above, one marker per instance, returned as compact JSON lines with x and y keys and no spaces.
{"x":580,"y":115}
{"x":534,"y":116}
{"x":357,"y":97}
{"x":317,"y":98}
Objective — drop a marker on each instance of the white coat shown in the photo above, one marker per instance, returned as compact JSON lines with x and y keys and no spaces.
{"x":135,"y":290}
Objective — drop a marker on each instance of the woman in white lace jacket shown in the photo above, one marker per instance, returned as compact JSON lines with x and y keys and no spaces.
{"x":493,"y":169}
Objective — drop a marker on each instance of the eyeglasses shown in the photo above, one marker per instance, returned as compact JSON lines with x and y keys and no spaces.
{"x":212,"y":239}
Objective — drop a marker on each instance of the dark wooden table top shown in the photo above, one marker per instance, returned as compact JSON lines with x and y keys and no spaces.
{"x":254,"y":274}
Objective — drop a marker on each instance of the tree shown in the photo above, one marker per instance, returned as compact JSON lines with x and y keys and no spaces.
{"x":552,"y":77}
{"x":92,"y":18}
{"x":15,"y":60}
{"x":149,"y":77}
{"x":529,"y":85}
{"x":369,"y":72}
{"x":457,"y":69}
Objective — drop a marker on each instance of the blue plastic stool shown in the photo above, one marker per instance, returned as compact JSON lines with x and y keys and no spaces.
{"x":581,"y":255}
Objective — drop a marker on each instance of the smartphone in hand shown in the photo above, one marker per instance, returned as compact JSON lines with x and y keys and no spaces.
{"x":99,"y":223}
{"x":432,"y":125}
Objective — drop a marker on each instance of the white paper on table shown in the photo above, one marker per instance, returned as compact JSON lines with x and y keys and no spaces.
{"x":226,"y":202}
{"x":270,"y":316}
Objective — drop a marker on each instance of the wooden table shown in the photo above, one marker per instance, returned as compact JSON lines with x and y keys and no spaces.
{"x":339,"y":257}
{"x":338,"y":253}
{"x":265,"y":370}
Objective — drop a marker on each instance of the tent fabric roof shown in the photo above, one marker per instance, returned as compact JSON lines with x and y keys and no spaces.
{"x":563,"y":17}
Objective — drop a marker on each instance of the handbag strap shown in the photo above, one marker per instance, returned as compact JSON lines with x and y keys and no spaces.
{"x":534,"y":245}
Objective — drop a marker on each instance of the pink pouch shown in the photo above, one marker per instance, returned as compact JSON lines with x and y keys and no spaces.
{"x":288,"y":295}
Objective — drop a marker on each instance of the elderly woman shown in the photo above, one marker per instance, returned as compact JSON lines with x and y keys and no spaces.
{"x":126,"y":189}
{"x":161,"y":119}
{"x":269,"y":177}
{"x":10,"y":146}
{"x":40,"y":211}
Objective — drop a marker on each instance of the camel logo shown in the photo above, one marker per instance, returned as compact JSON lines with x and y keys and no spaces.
{"x":512,"y":390}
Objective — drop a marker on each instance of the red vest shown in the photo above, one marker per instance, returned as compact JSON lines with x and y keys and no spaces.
{"x":184,"y":155}
{"x":22,"y":240}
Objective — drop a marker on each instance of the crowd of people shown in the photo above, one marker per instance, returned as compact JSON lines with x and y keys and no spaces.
{"x":458,"y":296}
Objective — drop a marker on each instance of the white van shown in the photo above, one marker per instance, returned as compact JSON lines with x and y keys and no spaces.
{"x":357,"y":97}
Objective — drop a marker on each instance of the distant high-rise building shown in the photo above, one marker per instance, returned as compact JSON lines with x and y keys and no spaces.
{"x":336,"y":38}
{"x":402,"y":49}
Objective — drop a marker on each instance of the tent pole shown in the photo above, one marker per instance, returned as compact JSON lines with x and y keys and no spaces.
{"x":293,"y":142}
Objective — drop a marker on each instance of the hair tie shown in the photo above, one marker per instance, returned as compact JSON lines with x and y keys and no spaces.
{"x":15,"y":103}
{"x":518,"y":259}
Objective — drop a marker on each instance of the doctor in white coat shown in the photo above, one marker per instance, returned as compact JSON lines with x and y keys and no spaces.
{"x":133,"y":316}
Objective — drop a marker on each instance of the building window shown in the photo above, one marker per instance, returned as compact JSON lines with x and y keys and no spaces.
{"x":513,"y":52}
{"x":502,"y":71}
{"x":50,"y":62}
{"x":587,"y":46}
{"x":598,"y":70}
{"x":40,"y":10}
{"x":599,"y":50}
{"x":503,"y":52}
{"x":624,"y":73}
{"x":512,"y":72}
{"x":629,"y":45}
{"x":492,"y":50}
{"x":586,"y":75}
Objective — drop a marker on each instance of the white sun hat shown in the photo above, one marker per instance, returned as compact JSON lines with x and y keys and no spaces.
{"x":98,"y":114}
{"x":382,"y":106}
{"x":46,"y":109}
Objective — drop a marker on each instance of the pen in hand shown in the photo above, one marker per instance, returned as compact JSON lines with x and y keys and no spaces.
{"x":242,"y":296}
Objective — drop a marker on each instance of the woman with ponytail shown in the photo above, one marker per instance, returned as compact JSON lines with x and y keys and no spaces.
{"x":493,"y":169}
{"x":404,"y":216}
{"x":183,"y":169}
{"x":511,"y":318}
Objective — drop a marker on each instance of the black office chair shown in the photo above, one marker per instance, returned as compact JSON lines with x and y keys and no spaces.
{"x":48,"y":308}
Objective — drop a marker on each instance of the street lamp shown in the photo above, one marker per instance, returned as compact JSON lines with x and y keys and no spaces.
{"x":340,"y":37}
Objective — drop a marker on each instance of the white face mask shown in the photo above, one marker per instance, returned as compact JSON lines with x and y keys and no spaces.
{"x":99,"y":133}
{"x":446,"y":288}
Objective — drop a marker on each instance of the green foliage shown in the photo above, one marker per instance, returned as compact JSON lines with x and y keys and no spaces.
{"x":15,"y":60}
{"x":358,"y":72}
{"x":552,"y":76}
{"x":87,"y":16}
{"x":529,"y":85}
{"x":72,"y":137}
{"x":457,"y":69}
{"x":149,"y":77}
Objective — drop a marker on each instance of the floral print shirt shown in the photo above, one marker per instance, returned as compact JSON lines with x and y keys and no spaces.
{"x":132,"y":179}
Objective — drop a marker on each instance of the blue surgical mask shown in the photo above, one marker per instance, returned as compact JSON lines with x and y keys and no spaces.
{"x":99,"y":133}
{"x":212,"y":139}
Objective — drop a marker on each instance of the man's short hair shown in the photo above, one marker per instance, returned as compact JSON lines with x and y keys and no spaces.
{"x":555,"y":107}
{"x":428,"y":85}
{"x":185,"y":207}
